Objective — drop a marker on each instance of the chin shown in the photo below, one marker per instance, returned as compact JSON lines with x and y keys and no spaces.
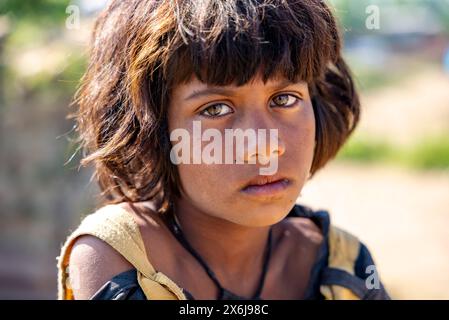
{"x":264,"y":214}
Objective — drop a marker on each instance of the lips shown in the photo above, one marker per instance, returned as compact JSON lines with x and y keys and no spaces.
{"x":262,"y":180}
{"x":266,"y":186}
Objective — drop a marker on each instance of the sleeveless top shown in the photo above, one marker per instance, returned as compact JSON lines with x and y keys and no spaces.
{"x":339,"y":272}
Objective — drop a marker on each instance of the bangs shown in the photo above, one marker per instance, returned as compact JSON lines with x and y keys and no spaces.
{"x":229,"y":42}
{"x":141,"y":49}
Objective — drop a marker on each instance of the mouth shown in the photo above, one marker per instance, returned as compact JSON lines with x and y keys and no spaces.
{"x":266,"y":185}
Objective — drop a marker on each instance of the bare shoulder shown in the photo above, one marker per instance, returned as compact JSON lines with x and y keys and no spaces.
{"x":303,"y":230}
{"x":92,"y":263}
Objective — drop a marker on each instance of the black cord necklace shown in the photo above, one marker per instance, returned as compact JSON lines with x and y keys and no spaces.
{"x":224,"y":294}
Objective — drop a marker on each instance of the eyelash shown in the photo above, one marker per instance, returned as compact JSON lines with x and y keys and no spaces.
{"x":283,"y":94}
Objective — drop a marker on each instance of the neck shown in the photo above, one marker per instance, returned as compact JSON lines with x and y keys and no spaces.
{"x":226,"y":247}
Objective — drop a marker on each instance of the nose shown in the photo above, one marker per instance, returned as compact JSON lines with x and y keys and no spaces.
{"x":266,"y":146}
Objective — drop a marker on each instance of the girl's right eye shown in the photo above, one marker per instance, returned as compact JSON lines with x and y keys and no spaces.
{"x":216,"y":110}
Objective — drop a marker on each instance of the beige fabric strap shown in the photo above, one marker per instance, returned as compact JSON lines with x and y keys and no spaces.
{"x":343,"y":252}
{"x":116,"y":226}
{"x":343,"y":249}
{"x":334,"y":292}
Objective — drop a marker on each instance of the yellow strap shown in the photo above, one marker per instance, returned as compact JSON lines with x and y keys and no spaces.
{"x":334,"y":292}
{"x":116,"y":226}
{"x":343,"y":252}
{"x":160,"y":287}
{"x":343,"y":249}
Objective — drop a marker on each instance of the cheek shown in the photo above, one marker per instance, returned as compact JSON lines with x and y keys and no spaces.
{"x":300,"y":136}
{"x":193,"y":178}
{"x":201,"y":186}
{"x":198,"y":181}
{"x":307,"y":133}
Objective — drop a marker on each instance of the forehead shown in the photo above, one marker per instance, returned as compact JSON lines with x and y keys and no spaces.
{"x":194,"y":85}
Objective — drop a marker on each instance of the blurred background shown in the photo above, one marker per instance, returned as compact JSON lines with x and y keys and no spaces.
{"x":389,"y":185}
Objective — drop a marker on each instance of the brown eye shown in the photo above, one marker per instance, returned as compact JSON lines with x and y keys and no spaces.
{"x":285,"y":100}
{"x":215,"y":110}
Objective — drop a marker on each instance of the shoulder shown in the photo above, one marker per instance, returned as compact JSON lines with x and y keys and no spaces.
{"x":343,"y":259}
{"x":301,"y":234}
{"x":351,"y":265}
{"x":306,"y":225}
{"x":92,"y":261}
{"x":302,"y":230}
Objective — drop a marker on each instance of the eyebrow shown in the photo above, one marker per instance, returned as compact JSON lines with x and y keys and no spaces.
{"x":229,"y":92}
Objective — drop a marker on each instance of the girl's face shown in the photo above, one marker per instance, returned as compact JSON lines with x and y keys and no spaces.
{"x":219,"y":189}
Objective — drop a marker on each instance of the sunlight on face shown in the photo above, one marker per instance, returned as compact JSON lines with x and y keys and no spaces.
{"x":219,"y":189}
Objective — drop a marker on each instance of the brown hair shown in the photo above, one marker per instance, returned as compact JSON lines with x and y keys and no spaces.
{"x":140,"y":49}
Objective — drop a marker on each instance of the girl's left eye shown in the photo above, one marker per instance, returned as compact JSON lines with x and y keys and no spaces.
{"x":285,"y":100}
{"x":216,"y":110}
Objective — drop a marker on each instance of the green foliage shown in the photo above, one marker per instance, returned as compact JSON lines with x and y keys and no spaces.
{"x":36,"y":10}
{"x":366,"y":150}
{"x":36,"y":26}
{"x":352,"y":13}
{"x":429,"y":153}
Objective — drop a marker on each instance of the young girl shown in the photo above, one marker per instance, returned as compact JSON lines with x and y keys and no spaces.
{"x":207,"y":229}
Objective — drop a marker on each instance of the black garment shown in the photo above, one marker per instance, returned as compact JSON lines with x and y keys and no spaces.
{"x":124,"y":286}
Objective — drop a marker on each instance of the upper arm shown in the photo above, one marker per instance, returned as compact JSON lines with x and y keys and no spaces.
{"x":92,"y":263}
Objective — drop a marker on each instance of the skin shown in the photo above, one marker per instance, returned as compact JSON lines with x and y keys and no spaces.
{"x":227,"y":227}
